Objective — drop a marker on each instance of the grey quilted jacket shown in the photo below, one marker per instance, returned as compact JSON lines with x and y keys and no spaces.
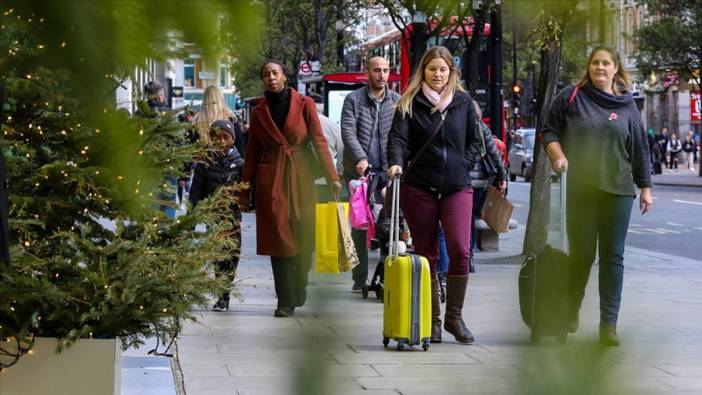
{"x":358,"y":120}
{"x":479,"y":177}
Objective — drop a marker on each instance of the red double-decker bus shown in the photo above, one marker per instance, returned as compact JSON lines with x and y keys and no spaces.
{"x":395,"y":48}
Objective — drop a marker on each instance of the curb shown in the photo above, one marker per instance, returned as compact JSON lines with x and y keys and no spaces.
{"x":178,"y":377}
{"x":674,"y":184}
{"x":503,"y":260}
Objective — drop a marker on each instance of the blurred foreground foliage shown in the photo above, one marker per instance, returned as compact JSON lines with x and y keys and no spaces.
{"x":92,"y":252}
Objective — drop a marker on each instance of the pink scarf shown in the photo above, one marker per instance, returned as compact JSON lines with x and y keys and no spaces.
{"x":435,"y":97}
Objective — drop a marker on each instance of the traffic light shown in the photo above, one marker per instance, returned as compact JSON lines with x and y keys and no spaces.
{"x":516,"y":97}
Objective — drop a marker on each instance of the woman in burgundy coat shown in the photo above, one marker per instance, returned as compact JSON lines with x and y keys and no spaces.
{"x":279,"y":165}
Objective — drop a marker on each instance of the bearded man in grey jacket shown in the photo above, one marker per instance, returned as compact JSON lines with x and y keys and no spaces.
{"x":366,"y":118}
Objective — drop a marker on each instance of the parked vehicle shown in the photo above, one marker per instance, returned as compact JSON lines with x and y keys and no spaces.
{"x":521,"y":154}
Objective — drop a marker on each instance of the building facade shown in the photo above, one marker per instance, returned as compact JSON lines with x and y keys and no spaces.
{"x":185,"y":80}
{"x":665,"y":99}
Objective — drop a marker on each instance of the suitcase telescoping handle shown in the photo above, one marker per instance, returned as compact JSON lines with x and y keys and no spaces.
{"x":562,"y":212}
{"x":395,"y":217}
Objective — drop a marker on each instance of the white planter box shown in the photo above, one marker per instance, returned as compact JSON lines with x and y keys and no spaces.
{"x":88,"y":367}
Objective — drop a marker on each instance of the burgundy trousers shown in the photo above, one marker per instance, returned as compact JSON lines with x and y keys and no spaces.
{"x":424,"y":211}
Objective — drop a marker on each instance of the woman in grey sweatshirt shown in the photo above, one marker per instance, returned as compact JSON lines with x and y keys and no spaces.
{"x":595,"y":131}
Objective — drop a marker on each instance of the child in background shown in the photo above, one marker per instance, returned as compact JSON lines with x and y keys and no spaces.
{"x":222,"y":167}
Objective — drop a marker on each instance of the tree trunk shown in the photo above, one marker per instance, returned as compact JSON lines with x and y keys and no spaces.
{"x":553,"y":23}
{"x":540,"y":194}
{"x":321,"y":21}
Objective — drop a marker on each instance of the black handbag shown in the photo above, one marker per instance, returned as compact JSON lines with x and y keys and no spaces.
{"x":490,"y":167}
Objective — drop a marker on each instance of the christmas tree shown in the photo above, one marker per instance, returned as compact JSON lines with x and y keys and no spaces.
{"x":92,"y":255}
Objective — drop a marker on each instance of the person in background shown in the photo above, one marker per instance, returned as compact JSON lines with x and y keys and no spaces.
{"x":214,"y":108}
{"x":481,"y":177}
{"x":221,"y":167}
{"x":279,"y":165}
{"x":689,"y":147}
{"x":332,"y":135}
{"x":366,"y":118}
{"x":436,"y":113}
{"x":600,"y":140}
{"x":656,"y":155}
{"x":651,"y":137}
{"x":156,"y":97}
{"x":663,"y":141}
{"x":675,"y":148}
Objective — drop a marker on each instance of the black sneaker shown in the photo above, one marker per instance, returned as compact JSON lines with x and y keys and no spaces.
{"x":357,"y":287}
{"x":222,"y":304}
{"x":608,"y":335}
{"x":284,"y":312}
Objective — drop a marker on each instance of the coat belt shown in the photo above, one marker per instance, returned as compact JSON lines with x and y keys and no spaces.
{"x":288,"y":168}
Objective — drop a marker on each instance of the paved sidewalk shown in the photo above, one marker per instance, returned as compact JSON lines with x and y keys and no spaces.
{"x":682,"y":177}
{"x":333,"y":344}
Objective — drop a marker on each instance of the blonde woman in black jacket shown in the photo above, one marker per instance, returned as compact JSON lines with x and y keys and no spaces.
{"x":434,"y":130}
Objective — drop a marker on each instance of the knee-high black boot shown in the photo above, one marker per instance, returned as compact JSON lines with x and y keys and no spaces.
{"x":453,"y":320}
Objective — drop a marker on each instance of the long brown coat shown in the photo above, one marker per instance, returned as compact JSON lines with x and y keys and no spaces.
{"x":279,"y":164}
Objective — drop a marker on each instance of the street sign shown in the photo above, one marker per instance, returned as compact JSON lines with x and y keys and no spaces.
{"x":695,"y":107}
{"x":305,"y":68}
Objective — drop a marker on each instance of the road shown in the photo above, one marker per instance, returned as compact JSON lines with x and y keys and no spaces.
{"x":673,"y":227}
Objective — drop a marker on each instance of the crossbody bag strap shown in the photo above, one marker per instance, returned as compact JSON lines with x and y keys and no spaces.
{"x":571,"y":99}
{"x":424,"y":147}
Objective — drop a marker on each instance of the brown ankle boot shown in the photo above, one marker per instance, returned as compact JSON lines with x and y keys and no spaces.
{"x":435,"y":311}
{"x":453,"y":320}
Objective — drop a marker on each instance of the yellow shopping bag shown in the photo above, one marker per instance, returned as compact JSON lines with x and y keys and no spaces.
{"x":334,"y":250}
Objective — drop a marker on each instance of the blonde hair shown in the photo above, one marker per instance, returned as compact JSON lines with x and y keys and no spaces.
{"x":213,"y":108}
{"x":621,"y":80}
{"x":415,"y":84}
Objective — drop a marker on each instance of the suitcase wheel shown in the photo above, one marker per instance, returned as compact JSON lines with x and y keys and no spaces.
{"x":364,"y":291}
{"x":379,"y":292}
{"x":386,"y":341}
{"x":425,"y":346}
{"x":400,"y":345}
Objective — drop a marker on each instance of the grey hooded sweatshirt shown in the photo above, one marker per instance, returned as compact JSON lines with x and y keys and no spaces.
{"x":603,"y":138}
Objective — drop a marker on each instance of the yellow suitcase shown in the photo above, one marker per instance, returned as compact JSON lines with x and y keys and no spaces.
{"x":407,"y":293}
{"x":407,"y":301}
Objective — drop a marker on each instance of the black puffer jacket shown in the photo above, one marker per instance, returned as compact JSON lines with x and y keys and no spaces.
{"x":217,"y":170}
{"x":444,"y":167}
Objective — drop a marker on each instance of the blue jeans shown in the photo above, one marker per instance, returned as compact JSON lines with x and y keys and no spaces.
{"x":597,"y":219}
{"x":443,"y":254}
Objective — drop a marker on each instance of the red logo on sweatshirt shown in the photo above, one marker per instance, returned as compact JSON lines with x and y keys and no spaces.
{"x":613,"y":116}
